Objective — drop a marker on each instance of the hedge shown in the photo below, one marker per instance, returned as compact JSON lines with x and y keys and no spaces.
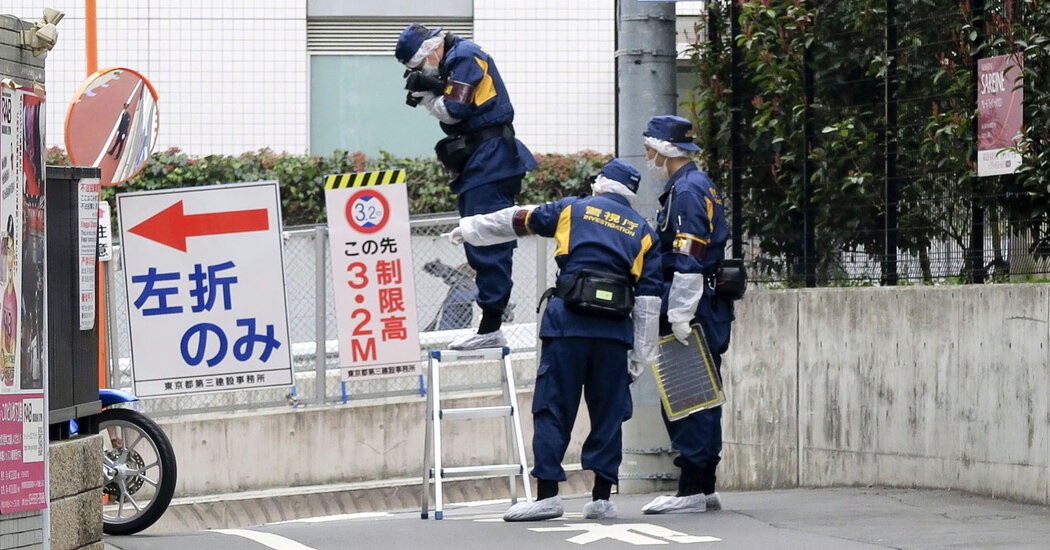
{"x":301,"y":177}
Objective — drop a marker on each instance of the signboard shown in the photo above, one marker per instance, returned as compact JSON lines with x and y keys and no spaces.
{"x":999,"y":114}
{"x":23,"y":344}
{"x":204,"y":273}
{"x":87,"y":223}
{"x":105,"y":236}
{"x":375,"y":297}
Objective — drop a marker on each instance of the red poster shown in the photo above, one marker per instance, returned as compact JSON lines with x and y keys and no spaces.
{"x":999,"y":114}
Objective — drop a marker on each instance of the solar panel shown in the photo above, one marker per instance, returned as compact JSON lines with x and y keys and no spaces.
{"x":686,"y":376}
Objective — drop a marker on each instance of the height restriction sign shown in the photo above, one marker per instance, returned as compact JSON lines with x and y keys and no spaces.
{"x":375,"y":297}
{"x":204,"y":274}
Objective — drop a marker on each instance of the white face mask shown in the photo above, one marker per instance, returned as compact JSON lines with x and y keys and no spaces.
{"x":428,"y":69}
{"x":658,"y":172}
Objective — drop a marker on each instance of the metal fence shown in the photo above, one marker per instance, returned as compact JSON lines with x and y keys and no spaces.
{"x":438,"y":267}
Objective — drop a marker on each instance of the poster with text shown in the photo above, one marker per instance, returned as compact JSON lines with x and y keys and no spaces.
{"x":1000,"y":98}
{"x":23,"y":338}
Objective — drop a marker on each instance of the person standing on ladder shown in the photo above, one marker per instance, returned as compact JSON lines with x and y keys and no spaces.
{"x":599,"y":330}
{"x":459,"y":84}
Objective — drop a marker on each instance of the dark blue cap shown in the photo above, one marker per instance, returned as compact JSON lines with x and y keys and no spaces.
{"x":621,"y":171}
{"x":674,"y":129}
{"x":410,"y":40}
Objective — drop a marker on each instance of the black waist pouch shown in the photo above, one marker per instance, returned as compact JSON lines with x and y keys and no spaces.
{"x":731,"y":279}
{"x":598,"y":294}
{"x":453,"y":152}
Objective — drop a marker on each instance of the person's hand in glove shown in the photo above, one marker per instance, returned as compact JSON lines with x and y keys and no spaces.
{"x":416,"y":81}
{"x":681,"y":331}
{"x":635,"y":369}
{"x":455,"y":236}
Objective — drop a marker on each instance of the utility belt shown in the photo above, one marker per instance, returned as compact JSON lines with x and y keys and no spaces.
{"x":455,"y":150}
{"x":729,"y":279}
{"x":595,"y":293}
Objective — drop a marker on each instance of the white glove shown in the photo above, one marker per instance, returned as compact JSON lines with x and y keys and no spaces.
{"x":635,"y":369}
{"x":424,"y":97}
{"x":646,"y":318}
{"x":455,"y":236}
{"x":686,"y":291}
{"x":681,"y":331}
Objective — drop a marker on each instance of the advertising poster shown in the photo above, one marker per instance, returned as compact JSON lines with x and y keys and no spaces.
{"x":375,"y":297}
{"x":23,"y":341}
{"x":204,"y":273}
{"x":999,"y":114}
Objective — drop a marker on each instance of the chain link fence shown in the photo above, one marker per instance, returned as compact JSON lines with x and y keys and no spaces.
{"x":444,"y":304}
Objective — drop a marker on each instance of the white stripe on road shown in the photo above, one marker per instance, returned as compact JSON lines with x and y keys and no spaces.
{"x":271,"y":540}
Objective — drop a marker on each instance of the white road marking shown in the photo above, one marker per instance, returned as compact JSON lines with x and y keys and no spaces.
{"x":632,"y":533}
{"x":269,"y":540}
{"x":336,"y":517}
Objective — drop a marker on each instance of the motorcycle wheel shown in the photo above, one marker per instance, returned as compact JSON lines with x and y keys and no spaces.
{"x":138,"y":470}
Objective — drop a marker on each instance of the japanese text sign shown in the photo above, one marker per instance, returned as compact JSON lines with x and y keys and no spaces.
{"x":204,"y":273}
{"x":23,"y":344}
{"x":375,"y":296}
{"x":999,"y":114}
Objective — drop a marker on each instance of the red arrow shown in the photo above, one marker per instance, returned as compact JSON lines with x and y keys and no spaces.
{"x":171,"y":227}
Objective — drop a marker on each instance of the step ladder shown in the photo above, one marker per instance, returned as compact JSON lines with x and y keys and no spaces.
{"x":432,"y":468}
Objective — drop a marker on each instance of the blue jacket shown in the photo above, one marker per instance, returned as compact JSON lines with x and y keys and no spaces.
{"x":693,"y":235}
{"x":603,"y":233}
{"x":477,"y":97}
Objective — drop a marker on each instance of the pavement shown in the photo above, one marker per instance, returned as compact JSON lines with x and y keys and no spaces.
{"x":813,"y":519}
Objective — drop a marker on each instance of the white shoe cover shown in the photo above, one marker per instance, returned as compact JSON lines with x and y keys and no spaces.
{"x":478,"y":341}
{"x":536,"y":510}
{"x":714,"y":502}
{"x":599,"y":509}
{"x":676,"y":505}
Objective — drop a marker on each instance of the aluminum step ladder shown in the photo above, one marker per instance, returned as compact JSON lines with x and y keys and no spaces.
{"x":432,"y":469}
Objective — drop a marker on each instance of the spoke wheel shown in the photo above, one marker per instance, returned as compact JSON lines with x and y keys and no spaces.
{"x":138,"y":471}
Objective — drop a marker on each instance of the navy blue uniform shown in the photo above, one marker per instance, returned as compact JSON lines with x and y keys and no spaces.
{"x":693,"y":233}
{"x":476,"y":96}
{"x":582,"y":352}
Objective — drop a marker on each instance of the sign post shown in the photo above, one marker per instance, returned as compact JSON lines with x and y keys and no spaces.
{"x":205,"y":284}
{"x":375,"y":300}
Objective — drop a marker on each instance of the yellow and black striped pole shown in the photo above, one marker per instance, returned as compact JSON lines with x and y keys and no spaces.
{"x":364,"y":179}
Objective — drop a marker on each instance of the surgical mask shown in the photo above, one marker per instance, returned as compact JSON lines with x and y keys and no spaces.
{"x":658,"y":172}
{"x":430,"y":70}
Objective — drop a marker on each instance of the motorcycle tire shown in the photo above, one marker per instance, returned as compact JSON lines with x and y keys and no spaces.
{"x":139,"y":471}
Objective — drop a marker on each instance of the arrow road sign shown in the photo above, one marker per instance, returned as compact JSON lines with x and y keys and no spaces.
{"x":171,"y":227}
{"x":632,"y":533}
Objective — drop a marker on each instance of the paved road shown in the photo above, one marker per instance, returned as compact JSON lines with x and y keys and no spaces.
{"x":812,"y":519}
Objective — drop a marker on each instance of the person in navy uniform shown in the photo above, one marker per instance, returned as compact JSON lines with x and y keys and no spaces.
{"x":693,"y":232}
{"x":598,"y":355}
{"x":459,"y":84}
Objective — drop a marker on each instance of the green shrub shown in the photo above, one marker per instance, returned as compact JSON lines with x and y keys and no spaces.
{"x":302,"y":185}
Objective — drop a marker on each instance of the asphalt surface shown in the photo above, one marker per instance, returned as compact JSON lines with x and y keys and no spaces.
{"x":812,"y":519}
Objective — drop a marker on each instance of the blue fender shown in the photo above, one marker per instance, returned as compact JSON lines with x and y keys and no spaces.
{"x":110,"y":396}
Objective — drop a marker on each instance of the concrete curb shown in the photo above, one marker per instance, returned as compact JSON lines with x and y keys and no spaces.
{"x":238,"y":510}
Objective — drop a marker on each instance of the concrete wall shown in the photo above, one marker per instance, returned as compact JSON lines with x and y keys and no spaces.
{"x":336,"y":444}
{"x":76,"y":494}
{"x":941,"y":387}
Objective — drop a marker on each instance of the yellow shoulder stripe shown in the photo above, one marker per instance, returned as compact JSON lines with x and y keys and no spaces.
{"x":485,"y":90}
{"x":710,"y":214}
{"x":561,"y":234}
{"x":636,"y":268}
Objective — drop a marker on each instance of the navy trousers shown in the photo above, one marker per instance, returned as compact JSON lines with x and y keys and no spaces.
{"x":598,"y":368}
{"x":491,"y":263}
